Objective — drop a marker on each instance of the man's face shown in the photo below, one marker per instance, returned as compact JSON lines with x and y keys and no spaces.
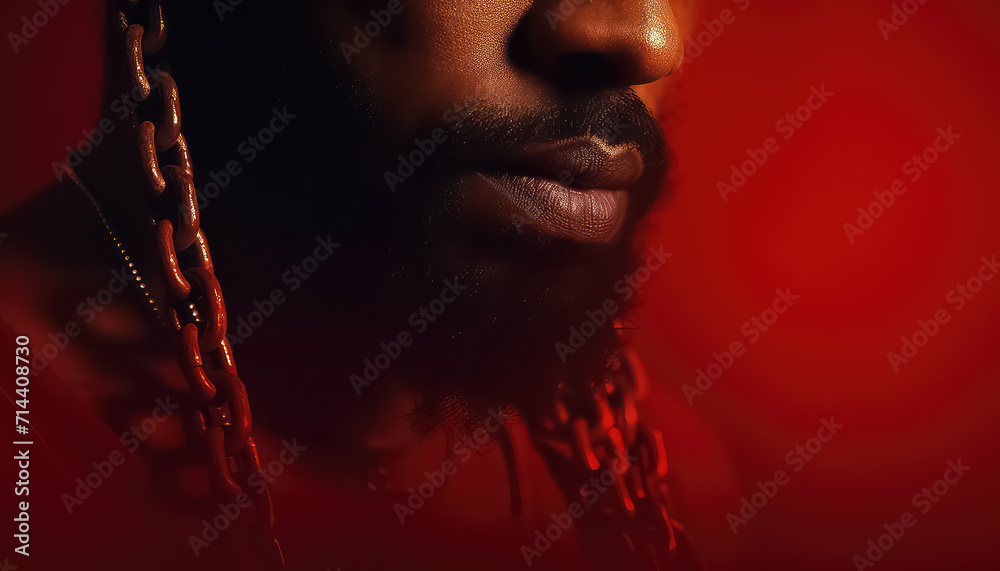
{"x":496,"y":144}
{"x":530,"y":102}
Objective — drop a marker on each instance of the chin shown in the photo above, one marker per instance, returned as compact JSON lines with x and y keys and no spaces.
{"x":496,"y":345}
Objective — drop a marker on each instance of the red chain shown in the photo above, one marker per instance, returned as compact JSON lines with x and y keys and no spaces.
{"x":198,"y":311}
{"x":582,"y":438}
{"x":599,"y":432}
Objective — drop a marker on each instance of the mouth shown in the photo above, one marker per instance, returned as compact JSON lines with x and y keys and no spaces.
{"x":576,"y":189}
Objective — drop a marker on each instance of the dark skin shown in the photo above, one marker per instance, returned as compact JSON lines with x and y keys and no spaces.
{"x":532,"y":104}
{"x":510,"y":50}
{"x":516,"y":57}
{"x":532,"y":266}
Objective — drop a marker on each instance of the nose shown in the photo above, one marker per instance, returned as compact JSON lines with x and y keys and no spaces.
{"x":598,"y":43}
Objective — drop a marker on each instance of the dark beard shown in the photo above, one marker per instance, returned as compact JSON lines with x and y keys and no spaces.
{"x":495,"y":344}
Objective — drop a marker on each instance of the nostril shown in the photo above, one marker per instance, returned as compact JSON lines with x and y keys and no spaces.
{"x":607,"y":44}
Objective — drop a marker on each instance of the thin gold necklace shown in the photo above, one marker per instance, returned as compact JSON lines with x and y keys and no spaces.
{"x":158,"y":314}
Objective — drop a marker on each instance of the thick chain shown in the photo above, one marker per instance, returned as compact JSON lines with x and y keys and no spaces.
{"x":597,"y":435}
{"x":585,"y":436}
{"x":198,"y":311}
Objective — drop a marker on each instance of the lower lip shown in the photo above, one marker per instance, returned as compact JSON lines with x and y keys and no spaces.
{"x":593,"y":215}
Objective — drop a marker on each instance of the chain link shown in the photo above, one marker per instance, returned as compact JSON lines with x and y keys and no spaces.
{"x":198,"y":310}
{"x":582,"y":438}
{"x":597,"y":433}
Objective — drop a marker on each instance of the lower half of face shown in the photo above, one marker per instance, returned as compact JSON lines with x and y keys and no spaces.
{"x":497,"y":235}
{"x":522,"y":108}
{"x":485,"y":170}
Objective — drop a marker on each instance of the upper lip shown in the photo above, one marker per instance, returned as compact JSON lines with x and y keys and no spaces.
{"x":581,"y":162}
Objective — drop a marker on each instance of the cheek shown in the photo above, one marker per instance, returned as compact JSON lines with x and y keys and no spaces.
{"x":430,"y":57}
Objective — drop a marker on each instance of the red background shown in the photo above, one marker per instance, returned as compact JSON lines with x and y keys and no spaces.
{"x":784,"y":229}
